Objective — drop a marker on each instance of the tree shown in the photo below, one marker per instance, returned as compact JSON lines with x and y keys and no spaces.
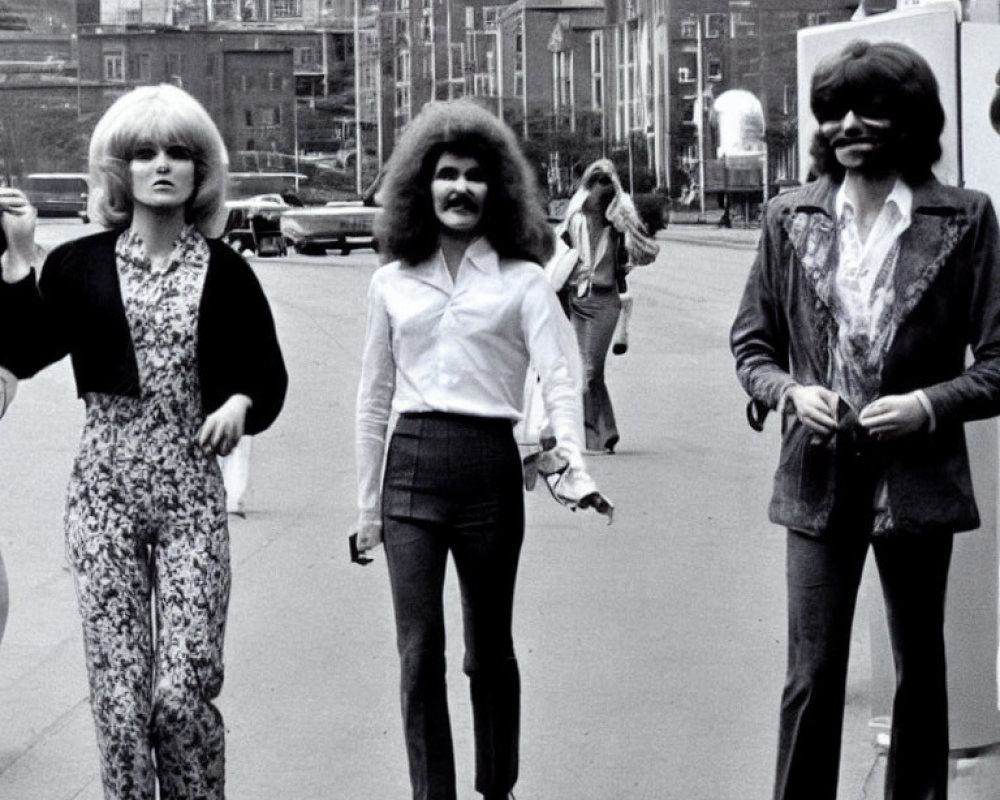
{"x":47,"y":138}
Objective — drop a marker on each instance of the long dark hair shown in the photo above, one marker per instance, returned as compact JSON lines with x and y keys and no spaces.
{"x":887,"y":80}
{"x":514,"y":222}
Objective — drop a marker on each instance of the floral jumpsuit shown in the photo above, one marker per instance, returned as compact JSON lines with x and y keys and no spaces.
{"x":145,"y":519}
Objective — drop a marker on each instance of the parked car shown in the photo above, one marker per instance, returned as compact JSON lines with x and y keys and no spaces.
{"x":254,"y":224}
{"x":58,"y":194}
{"x":341,"y":225}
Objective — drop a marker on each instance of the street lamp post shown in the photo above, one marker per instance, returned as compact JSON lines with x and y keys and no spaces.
{"x":359,"y":149}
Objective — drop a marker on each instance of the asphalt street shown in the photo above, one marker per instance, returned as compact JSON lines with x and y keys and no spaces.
{"x":651,"y":651}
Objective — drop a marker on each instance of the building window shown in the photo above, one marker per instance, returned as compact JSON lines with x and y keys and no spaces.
{"x":402,"y":29}
{"x":273,"y":82}
{"x":402,"y":114}
{"x":562,"y":79}
{"x":715,"y":25}
{"x":270,"y":116}
{"x":748,"y":62}
{"x":248,"y":119}
{"x":789,"y":100}
{"x":403,"y":66}
{"x":687,"y":110}
{"x":225,"y":9}
{"x":285,"y":9}
{"x":519,"y":61}
{"x":597,"y":70}
{"x":491,"y":15}
{"x":175,"y":65}
{"x":143,"y":68}
{"x":304,"y":56}
{"x":685,"y":75}
{"x":819,"y":18}
{"x":714,"y":68}
{"x":114,"y":66}
{"x":744,"y":24}
{"x":689,"y":28}
{"x":427,"y":21}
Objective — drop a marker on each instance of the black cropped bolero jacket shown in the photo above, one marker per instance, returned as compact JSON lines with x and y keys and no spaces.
{"x":76,"y":308}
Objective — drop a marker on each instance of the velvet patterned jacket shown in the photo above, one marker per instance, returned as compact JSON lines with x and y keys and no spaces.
{"x":946,"y":303}
{"x":76,"y":308}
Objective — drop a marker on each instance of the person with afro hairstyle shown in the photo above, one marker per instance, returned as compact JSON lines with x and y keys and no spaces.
{"x":454,"y":319}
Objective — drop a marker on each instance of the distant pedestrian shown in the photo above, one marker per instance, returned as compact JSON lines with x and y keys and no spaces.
{"x":175,"y":356}
{"x":869,"y":287}
{"x":454,"y":319}
{"x":603,"y":226}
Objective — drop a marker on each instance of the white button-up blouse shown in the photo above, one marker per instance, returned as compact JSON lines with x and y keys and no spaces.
{"x":462,"y":347}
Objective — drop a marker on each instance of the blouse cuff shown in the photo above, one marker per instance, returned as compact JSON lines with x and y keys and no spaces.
{"x":926,"y":403}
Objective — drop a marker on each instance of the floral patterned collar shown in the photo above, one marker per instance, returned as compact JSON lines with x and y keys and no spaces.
{"x":190,"y":249}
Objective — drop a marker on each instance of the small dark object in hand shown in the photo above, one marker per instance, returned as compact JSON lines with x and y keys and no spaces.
{"x":357,"y":557}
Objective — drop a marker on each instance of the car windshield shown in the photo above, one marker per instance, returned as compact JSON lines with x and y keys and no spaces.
{"x":55,"y":185}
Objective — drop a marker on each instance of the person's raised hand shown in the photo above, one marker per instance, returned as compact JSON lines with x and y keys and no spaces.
{"x":17,"y":219}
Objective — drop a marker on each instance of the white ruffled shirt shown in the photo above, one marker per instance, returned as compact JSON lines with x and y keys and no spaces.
{"x":864,"y":279}
{"x":462,"y":347}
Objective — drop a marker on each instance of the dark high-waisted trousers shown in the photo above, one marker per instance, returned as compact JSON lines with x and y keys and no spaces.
{"x":454,"y":483}
{"x":823,"y":578}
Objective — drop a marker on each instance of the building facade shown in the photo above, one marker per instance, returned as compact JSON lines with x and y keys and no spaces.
{"x":278,"y":77}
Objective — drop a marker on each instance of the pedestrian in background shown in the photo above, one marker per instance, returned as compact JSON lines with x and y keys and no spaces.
{"x":602,"y":225}
{"x":454,"y":318}
{"x":869,"y":286}
{"x":175,"y":355}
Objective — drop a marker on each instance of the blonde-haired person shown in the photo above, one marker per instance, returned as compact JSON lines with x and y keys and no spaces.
{"x":602,"y":224}
{"x":175,"y":355}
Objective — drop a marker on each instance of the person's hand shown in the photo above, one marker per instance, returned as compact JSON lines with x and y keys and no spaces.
{"x":815,"y":406}
{"x":369,"y":535}
{"x":894,"y":415}
{"x":17,"y":218}
{"x":224,"y":427}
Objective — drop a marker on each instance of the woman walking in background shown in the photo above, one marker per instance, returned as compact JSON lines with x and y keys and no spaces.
{"x":175,"y":355}
{"x":603,"y":226}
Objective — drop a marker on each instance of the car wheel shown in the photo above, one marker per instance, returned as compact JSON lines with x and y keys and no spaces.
{"x":85,"y":219}
{"x":345,"y":250}
{"x":310,"y":250}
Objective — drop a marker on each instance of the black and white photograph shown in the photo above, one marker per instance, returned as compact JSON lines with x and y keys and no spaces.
{"x":491,"y":400}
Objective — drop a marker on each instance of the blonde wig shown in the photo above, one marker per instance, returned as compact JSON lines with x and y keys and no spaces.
{"x":514,"y":221}
{"x":161,"y":115}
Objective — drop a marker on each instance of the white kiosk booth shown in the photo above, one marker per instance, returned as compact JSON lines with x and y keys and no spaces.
{"x":965,"y":56}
